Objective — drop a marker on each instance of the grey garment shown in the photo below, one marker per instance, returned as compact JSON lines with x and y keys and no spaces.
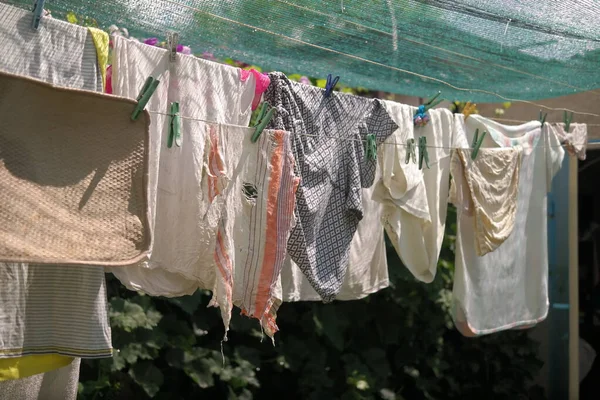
{"x":59,"y":384}
{"x":329,"y":135}
{"x":51,"y":309}
{"x":59,"y":53}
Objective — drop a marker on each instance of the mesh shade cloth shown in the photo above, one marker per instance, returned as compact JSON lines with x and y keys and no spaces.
{"x":73,"y":170}
{"x":526,"y":49}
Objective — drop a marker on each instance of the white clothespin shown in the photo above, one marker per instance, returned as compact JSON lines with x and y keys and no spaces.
{"x":172,"y":41}
{"x":38,"y":12}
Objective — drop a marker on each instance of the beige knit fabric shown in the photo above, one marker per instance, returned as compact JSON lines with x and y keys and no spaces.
{"x":488,"y":189}
{"x":73,"y":172}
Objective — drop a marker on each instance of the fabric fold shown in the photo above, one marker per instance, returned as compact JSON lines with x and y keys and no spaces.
{"x":489,"y":186}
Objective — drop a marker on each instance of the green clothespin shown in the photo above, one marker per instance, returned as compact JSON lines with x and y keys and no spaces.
{"x":371,"y":147}
{"x":477,"y":141}
{"x":174,"y":126}
{"x":264,"y":117}
{"x":147,"y":91}
{"x":423,"y":155}
{"x":432,"y":103}
{"x":542,"y":117}
{"x":410,"y":151}
{"x":567,"y":121}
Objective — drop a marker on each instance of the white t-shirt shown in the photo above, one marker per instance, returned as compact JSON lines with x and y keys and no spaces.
{"x":415,"y":218}
{"x":508,"y":287}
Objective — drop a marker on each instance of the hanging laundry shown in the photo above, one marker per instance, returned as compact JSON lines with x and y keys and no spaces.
{"x":328,"y":137}
{"x":262,"y":83}
{"x":59,"y":384}
{"x":22,"y":367}
{"x":84,"y":162}
{"x":29,"y":52}
{"x":367,"y":263}
{"x":58,"y":298}
{"x":182,"y":258}
{"x":485,"y":189}
{"x":575,"y":140}
{"x":416,"y":201}
{"x":43,"y":310}
{"x":258,"y":197}
{"x":508,"y":287}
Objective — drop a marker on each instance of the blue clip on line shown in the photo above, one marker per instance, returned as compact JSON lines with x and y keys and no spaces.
{"x":331,"y":82}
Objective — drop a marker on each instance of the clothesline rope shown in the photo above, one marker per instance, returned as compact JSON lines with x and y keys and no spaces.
{"x":415,"y":145}
{"x":375,"y":62}
{"x":518,"y":121}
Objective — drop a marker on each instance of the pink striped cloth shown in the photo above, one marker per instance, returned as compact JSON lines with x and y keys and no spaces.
{"x":256,"y":220}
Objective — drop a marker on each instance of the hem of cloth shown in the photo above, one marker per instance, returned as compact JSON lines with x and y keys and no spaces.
{"x":346,"y":296}
{"x":63,"y":351}
{"x":513,"y":325}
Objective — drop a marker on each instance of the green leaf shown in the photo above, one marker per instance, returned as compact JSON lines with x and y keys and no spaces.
{"x":203,"y":378}
{"x":387,"y":394}
{"x":189,"y":304}
{"x":147,"y":376}
{"x":128,"y":316}
{"x":72,"y":18}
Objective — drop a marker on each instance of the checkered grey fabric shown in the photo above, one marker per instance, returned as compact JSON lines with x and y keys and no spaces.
{"x":330,"y":158}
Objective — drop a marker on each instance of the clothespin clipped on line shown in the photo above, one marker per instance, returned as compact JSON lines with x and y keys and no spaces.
{"x":432,"y":103}
{"x":264,"y":117}
{"x":172,"y":41}
{"x":469,"y":109}
{"x":423,"y":155}
{"x":38,"y":12}
{"x":147,"y":91}
{"x":174,"y":126}
{"x":567,"y":121}
{"x":330,"y":85}
{"x":371,"y":147}
{"x":542,"y":118}
{"x":477,"y":141}
{"x":421,"y":118}
{"x":410,"y":151}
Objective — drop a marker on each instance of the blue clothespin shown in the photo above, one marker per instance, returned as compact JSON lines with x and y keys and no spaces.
{"x":477,"y":141}
{"x":423,"y":155}
{"x":264,"y":117}
{"x":421,"y":118}
{"x":174,"y":126}
{"x":38,"y":12}
{"x":330,"y":84}
{"x":410,"y":151}
{"x":371,"y":147}
{"x":147,"y":91}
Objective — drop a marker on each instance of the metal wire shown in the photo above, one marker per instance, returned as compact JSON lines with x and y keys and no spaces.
{"x":330,"y":137}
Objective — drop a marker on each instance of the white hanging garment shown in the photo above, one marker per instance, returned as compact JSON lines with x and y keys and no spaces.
{"x":508,"y":287}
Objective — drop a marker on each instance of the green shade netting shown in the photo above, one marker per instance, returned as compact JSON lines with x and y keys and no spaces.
{"x":528,"y":50}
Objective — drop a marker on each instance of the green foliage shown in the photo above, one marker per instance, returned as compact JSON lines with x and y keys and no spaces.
{"x":81,"y":20}
{"x":398,"y":344}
